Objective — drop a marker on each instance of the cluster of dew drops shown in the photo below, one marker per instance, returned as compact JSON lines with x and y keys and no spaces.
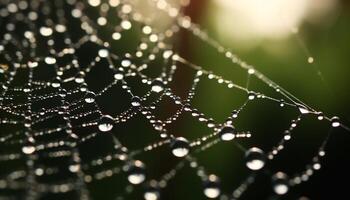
{"x":255,"y":158}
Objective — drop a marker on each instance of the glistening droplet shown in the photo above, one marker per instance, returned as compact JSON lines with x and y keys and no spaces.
{"x":106,"y":123}
{"x":180,"y":147}
{"x":227,"y":133}
{"x":280,"y":183}
{"x":89,"y":97}
{"x":335,"y":121}
{"x":136,"y":101}
{"x":157,"y":85}
{"x":212,"y":187}
{"x":136,"y":172}
{"x":255,"y":158}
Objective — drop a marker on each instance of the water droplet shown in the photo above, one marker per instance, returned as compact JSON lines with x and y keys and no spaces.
{"x":212,"y":187}
{"x":210,"y":123}
{"x":119,"y":75}
{"x":310,"y":59}
{"x":335,"y":121}
{"x":60,"y":28}
{"x":125,"y":63}
{"x":56,"y":83}
{"x":80,"y":78}
{"x":255,"y":158}
{"x":136,"y":172}
{"x":153,"y":37}
{"x":83,"y":87}
{"x":280,"y":183}
{"x":89,"y":97}
{"x":158,"y":125}
{"x":157,"y":85}
{"x":26,"y":90}
{"x":316,"y":166}
{"x":39,"y":171}
{"x":251,"y":71}
{"x":106,"y":123}
{"x":101,"y":21}
{"x":116,"y":36}
{"x":282,"y":103}
{"x":114,"y":3}
{"x":320,"y":116}
{"x":251,"y":95}
{"x":147,"y":30}
{"x":151,"y":193}
{"x":45,"y":31}
{"x":50,"y":60}
{"x":62,"y":93}
{"x":227,"y":133}
{"x":322,"y":153}
{"x":28,"y":149}
{"x":32,"y":64}
{"x":125,"y":24}
{"x":180,"y":147}
{"x":135,"y":101}
{"x":103,"y":53}
{"x":94,"y":3}
{"x":74,"y":168}
{"x":234,"y":114}
{"x":167,"y":54}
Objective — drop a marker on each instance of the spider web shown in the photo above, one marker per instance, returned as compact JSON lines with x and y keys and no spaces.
{"x":90,"y":96}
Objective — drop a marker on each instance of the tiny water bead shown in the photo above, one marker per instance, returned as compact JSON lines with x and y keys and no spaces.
{"x":125,"y":63}
{"x":125,"y":24}
{"x":227,"y":133}
{"x":89,"y":97}
{"x":56,"y":83}
{"x":136,"y":101}
{"x":28,"y":149}
{"x":50,"y":60}
{"x":335,"y":121}
{"x":151,"y":193}
{"x":282,"y":103}
{"x":251,"y":95}
{"x":255,"y":158}
{"x":119,"y":74}
{"x":105,"y":123}
{"x":157,"y":85}
{"x":83,"y":87}
{"x":101,"y":21}
{"x":116,"y":36}
{"x":280,"y":183}
{"x":62,"y":93}
{"x":180,"y":147}
{"x":136,"y":172}
{"x":320,"y":116}
{"x":310,"y":59}
{"x":26,"y":89}
{"x":103,"y":53}
{"x":74,"y":168}
{"x":212,"y":187}
{"x":46,"y":31}
{"x":158,"y":125}
{"x":80,"y":77}
{"x":234,"y":114}
{"x":94,"y":3}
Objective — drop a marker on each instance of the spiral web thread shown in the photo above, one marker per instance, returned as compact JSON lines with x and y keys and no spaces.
{"x":42,"y":37}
